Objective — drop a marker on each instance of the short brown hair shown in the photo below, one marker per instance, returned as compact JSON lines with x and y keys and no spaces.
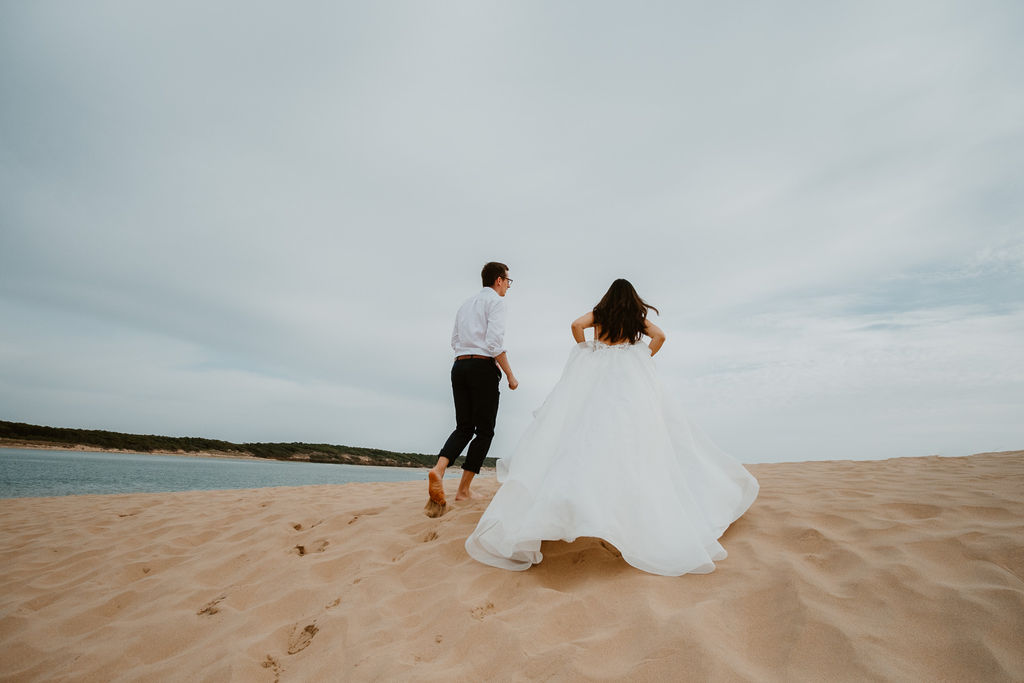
{"x":492,"y":271}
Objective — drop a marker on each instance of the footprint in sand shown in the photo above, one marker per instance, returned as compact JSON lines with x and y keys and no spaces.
{"x":315,"y":547}
{"x":211,"y":607}
{"x":271,"y":663}
{"x":481,"y":611}
{"x":300,"y":639}
{"x":429,"y":536}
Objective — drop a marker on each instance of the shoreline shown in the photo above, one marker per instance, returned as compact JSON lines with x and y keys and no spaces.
{"x":52,"y":446}
{"x":453,"y":472}
{"x":228,"y":455}
{"x":224,"y":455}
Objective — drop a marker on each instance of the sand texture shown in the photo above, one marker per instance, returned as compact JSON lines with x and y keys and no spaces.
{"x":907,"y":569}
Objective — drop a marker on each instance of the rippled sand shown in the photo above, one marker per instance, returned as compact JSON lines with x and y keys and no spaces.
{"x":907,"y":569}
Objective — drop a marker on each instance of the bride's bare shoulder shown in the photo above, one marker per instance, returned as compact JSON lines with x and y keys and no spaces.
{"x":584,"y":321}
{"x":653,"y":331}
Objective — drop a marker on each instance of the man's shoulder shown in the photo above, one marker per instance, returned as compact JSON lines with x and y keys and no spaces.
{"x":474,"y":301}
{"x":496,"y":305}
{"x":487,"y":294}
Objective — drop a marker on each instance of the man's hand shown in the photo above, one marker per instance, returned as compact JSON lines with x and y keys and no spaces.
{"x":502,"y":360}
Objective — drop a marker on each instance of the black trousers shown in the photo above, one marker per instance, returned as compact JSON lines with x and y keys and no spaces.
{"x":475,"y":389}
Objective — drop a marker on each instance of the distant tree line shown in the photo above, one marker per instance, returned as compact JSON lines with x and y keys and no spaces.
{"x":148,"y":443}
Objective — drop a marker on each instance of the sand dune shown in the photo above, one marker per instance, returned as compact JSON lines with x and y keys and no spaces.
{"x":908,"y":569}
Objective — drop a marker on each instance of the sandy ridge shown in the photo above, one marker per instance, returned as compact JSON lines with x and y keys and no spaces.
{"x":879,"y":570}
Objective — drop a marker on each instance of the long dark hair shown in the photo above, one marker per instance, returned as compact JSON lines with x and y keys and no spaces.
{"x":621,"y":314}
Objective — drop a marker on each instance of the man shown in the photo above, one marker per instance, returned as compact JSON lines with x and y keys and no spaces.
{"x":477,"y":340}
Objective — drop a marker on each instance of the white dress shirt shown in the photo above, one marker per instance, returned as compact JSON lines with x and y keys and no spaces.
{"x":480,"y":325}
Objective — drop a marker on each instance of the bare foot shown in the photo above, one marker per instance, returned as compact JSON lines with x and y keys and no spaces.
{"x":466,"y":495}
{"x":437,"y":505}
{"x":436,"y":487}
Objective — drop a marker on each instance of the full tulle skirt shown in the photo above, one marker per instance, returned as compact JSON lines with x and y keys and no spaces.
{"x":610,"y":454}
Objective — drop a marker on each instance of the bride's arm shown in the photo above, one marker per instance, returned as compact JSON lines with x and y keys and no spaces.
{"x":656,"y":335}
{"x":581,"y":323}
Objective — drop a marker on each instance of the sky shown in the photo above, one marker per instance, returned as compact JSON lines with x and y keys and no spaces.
{"x":255,"y":221}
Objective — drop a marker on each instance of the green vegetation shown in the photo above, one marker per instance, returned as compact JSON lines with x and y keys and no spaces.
{"x":149,"y":443}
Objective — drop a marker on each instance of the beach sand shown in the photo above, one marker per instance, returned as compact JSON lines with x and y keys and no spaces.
{"x":905,"y":569}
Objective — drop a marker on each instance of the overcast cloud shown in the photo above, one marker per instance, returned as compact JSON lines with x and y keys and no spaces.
{"x":255,"y":221}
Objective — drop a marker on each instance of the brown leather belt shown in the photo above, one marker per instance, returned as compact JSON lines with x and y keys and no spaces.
{"x":472,"y":356}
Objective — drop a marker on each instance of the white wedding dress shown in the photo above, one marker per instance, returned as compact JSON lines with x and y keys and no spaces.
{"x":611,"y":455}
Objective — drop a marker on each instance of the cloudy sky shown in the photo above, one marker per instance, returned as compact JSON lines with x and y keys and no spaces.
{"x":255,"y":221}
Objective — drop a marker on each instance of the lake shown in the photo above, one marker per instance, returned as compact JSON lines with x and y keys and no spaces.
{"x":28,"y":472}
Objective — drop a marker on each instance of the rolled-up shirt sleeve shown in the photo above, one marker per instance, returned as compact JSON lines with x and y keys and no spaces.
{"x":495,"y":338}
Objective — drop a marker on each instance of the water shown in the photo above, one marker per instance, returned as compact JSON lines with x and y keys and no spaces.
{"x":30,"y":472}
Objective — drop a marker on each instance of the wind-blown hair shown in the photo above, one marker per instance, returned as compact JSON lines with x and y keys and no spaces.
{"x":621,"y":314}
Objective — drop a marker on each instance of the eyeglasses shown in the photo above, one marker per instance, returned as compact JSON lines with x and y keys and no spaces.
{"x":507,"y":279}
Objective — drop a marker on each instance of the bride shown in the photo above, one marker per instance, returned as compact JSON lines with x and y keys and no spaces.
{"x":611,"y":455}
